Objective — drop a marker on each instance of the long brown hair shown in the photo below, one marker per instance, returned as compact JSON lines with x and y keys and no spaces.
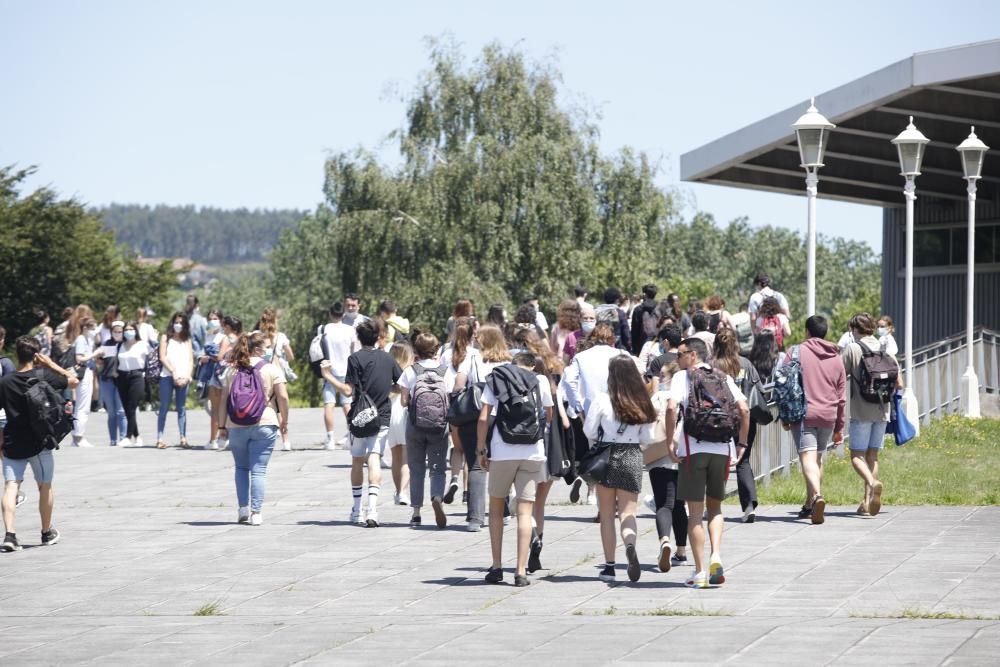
{"x":602,"y":334}
{"x":462,"y":335}
{"x":553,"y":365}
{"x":269,"y":323}
{"x":726,"y":353}
{"x":463,"y":308}
{"x":629,"y":398}
{"x":74,"y":326}
{"x":245,"y":345}
{"x":492,"y":344}
{"x":568,"y":315}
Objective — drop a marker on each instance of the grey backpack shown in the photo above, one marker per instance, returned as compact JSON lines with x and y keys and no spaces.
{"x":429,"y":400}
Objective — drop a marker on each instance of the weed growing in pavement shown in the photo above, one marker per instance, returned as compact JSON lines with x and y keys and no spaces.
{"x":922,"y":614}
{"x":210,"y":609}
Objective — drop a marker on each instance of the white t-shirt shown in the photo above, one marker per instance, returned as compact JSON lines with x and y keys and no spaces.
{"x":409,"y":376}
{"x":679,"y":394}
{"x":280,"y":341}
{"x":757,"y":298}
{"x":602,"y":415}
{"x":500,"y":450}
{"x":341,"y":341}
{"x":472,"y":366}
{"x":131,"y":359}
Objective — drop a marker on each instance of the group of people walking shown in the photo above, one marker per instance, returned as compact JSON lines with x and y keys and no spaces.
{"x":499,"y":409}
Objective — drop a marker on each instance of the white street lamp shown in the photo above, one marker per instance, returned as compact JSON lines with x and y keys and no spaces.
{"x":910,"y":143}
{"x":812,"y":130}
{"x":972,"y":150}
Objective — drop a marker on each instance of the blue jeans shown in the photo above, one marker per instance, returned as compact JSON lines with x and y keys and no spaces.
{"x":180,"y":395}
{"x":863,"y":436}
{"x":112,"y":403}
{"x":251,"y":447}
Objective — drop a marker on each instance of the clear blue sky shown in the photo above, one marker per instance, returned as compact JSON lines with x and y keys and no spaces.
{"x":237,"y":103}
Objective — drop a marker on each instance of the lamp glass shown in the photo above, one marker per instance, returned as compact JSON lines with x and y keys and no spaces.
{"x":972,"y":163}
{"x":911,"y":154}
{"x":810,"y":146}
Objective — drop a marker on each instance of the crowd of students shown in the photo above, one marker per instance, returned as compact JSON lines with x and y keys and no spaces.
{"x":605,"y":395}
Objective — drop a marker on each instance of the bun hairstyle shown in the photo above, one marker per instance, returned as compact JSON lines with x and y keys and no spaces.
{"x":425,"y":345}
{"x":246,"y":344}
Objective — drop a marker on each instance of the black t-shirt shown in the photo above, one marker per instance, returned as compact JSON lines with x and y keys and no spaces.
{"x":656,"y":365}
{"x":376,"y":371}
{"x":18,"y":440}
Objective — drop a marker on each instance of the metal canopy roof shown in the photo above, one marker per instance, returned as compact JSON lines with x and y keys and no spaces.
{"x":945,"y":91}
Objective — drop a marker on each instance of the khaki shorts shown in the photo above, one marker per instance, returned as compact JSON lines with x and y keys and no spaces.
{"x":525,"y":476}
{"x":701,"y":475}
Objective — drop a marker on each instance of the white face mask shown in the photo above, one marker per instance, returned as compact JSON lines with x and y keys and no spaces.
{"x":587,"y":326}
{"x":178,"y":328}
{"x":882,"y":331}
{"x":130,"y":334}
{"x":213,"y":324}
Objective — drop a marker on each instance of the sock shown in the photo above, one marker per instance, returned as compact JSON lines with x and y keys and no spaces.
{"x":610,"y":564}
{"x":330,"y":435}
{"x":373,"y":490}
{"x":356,"y":492}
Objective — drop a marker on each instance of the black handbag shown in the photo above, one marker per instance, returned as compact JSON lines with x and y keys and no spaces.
{"x":593,"y":465}
{"x":465,"y":405}
{"x":760,"y":411}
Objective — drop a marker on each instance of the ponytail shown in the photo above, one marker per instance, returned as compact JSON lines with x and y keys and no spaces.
{"x":244,"y":347}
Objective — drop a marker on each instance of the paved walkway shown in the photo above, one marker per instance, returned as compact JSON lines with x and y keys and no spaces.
{"x":149,"y":538}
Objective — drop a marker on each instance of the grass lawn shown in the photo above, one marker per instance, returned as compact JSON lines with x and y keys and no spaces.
{"x":954,"y":461}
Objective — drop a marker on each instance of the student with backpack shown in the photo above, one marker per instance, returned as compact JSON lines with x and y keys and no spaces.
{"x":425,"y":392}
{"x":371,"y":374}
{"x":770,"y":318}
{"x":645,"y":319}
{"x":764,"y":290}
{"x":874,"y":376}
{"x":618,"y":422}
{"x":252,"y":415}
{"x":335,"y":341}
{"x":823,"y":382}
{"x":512,"y":448}
{"x":715,"y":414}
{"x":37,"y":419}
{"x":611,"y":314}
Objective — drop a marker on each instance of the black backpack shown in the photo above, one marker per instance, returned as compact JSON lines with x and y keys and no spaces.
{"x":877,"y":374}
{"x":710,"y":413}
{"x":520,"y":415}
{"x":714,"y":320}
{"x":362,"y":417}
{"x":49,"y":414}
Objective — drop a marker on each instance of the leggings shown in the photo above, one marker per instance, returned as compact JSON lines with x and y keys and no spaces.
{"x":745,"y":484}
{"x":669,"y":509}
{"x":131,"y":387}
{"x":477,"y":476}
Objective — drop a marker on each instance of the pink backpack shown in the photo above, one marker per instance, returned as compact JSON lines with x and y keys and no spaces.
{"x":247,"y":399}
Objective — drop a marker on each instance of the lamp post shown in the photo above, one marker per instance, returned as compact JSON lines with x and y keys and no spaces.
{"x":972,"y":150}
{"x":812,"y":130}
{"x":910,"y":143}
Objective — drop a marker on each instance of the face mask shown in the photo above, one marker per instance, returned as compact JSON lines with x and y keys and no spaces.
{"x":130,"y":334}
{"x":116,"y":336}
{"x":178,"y":328}
{"x":213,"y":324}
{"x":882,"y":331}
{"x":588,"y":326}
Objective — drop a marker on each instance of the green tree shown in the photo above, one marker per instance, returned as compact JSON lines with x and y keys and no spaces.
{"x":53,"y":254}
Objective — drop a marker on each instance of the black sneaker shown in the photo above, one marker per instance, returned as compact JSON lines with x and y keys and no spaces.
{"x":439,"y":516}
{"x":679,"y":559}
{"x":449,"y":497}
{"x":574,"y":492}
{"x":607,"y":574}
{"x":20,"y":499}
{"x":535,"y":556}
{"x":414,"y":522}
{"x":494,"y":575}
{"x":805,"y":512}
{"x":465,"y":497}
{"x":10,"y":543}
{"x":521,"y":580}
{"x":634,"y":569}
{"x":50,"y":537}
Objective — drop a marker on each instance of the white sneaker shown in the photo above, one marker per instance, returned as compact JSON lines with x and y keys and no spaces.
{"x":342,"y":443}
{"x":137,"y":442}
{"x":650,"y":503}
{"x":473,"y":526}
{"x":330,"y":445}
{"x":256,"y":519}
{"x":124,"y":442}
{"x":244,"y":515}
{"x":82,"y":442}
{"x":224,"y":445}
{"x":398,"y":499}
{"x":357,"y":518}
{"x":591,"y":498}
{"x":286,"y":446}
{"x":213,"y":445}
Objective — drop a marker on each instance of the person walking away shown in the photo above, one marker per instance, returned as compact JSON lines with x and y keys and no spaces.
{"x":341,"y":343}
{"x":425,"y":393}
{"x":668,"y":509}
{"x":252,"y":415}
{"x":670,"y":337}
{"x":278,"y":351}
{"x":397,"y":328}
{"x":873,"y":375}
{"x":42,"y":332}
{"x":645,"y":319}
{"x":770,"y":318}
{"x":148,"y":333}
{"x":19,"y":446}
{"x":699,"y":322}
{"x":84,"y":332}
{"x":108,"y":373}
{"x":461,"y":357}
{"x":762,"y":283}
{"x":712,"y":417}
{"x":622,"y":420}
{"x":176,"y":366}
{"x":130,"y":382}
{"x":512,"y":449}
{"x":718,"y":316}
{"x":540,"y":321}
{"x":463,"y":308}
{"x":609,"y":313}
{"x":823,"y":381}
{"x":403,"y":354}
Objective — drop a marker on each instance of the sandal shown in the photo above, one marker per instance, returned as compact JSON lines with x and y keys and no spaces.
{"x":160,"y":444}
{"x":184,"y":444}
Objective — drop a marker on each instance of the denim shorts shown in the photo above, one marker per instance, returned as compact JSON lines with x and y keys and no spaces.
{"x":811,"y":438}
{"x":865,"y":435}
{"x":43,"y":465}
{"x":375,"y":444}
{"x":330,"y":394}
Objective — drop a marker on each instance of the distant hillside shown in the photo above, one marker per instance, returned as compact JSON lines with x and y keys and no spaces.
{"x":207,"y":235}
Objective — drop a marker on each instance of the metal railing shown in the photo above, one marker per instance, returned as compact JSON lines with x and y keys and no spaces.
{"x":938,"y":370}
{"x":773,"y":450}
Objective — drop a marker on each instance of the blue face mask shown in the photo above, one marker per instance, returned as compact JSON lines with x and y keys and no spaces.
{"x":130,"y":334}
{"x":588,"y":326}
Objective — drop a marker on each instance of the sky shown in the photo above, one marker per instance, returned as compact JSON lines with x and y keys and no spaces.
{"x":237,"y":104}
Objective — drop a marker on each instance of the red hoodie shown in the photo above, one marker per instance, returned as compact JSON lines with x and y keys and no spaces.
{"x":824,"y":382}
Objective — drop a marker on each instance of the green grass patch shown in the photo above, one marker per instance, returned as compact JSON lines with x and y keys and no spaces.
{"x":920,"y":614}
{"x":210,"y":609}
{"x":954,"y":461}
{"x":666,"y":611}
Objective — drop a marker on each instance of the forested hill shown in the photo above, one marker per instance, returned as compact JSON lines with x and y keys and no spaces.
{"x":208,"y":235}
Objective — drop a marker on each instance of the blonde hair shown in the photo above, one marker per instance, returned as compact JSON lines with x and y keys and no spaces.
{"x":269,"y":322}
{"x":492,"y":344}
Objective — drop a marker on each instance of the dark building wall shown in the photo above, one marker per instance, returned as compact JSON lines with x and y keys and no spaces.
{"x":939,"y":291}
